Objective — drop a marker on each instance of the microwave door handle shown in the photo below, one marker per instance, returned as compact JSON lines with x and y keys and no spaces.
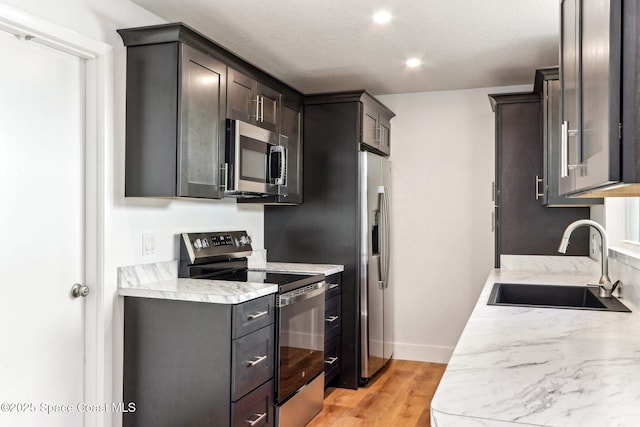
{"x":282,"y":170}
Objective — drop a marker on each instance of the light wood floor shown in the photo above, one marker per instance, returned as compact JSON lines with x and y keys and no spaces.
{"x":399,"y":397}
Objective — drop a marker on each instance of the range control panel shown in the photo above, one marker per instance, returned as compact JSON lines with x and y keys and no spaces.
{"x":207,"y":246}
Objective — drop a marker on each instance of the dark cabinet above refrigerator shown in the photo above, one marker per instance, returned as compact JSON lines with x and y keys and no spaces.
{"x":374,"y":123}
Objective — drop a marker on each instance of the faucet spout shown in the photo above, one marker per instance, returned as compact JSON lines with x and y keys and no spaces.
{"x":606,"y":287}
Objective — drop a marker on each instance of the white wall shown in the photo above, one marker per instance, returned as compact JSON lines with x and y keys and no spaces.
{"x":127,"y":219}
{"x":443,"y":165}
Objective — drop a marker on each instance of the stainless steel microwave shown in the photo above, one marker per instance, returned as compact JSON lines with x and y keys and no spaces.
{"x":255,"y":161}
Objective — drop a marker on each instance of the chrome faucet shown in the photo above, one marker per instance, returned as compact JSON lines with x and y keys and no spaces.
{"x":605,"y":286}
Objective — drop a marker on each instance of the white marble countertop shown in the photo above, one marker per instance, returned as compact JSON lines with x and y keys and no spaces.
{"x":160,"y":280}
{"x":540,"y":366}
{"x":300,"y":268}
{"x":201,"y":290}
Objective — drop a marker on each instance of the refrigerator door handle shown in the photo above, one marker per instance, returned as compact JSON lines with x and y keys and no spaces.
{"x":380,"y":256}
{"x":387,"y":235}
{"x":383,"y":205}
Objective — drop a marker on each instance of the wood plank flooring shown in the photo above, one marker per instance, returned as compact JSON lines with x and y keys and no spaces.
{"x":399,"y":397}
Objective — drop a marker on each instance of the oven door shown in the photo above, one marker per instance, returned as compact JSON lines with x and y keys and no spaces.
{"x":256,"y":160}
{"x":300,"y":338}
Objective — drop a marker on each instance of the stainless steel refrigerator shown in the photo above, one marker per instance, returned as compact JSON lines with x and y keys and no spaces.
{"x":343,"y":220}
{"x":376,"y":292}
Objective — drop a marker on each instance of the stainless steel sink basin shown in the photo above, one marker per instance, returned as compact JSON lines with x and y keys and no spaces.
{"x":553,"y":296}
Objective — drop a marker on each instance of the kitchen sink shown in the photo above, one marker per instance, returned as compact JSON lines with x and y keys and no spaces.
{"x":553,"y":296}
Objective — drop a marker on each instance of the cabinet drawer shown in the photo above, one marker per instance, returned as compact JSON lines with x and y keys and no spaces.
{"x":334,"y":286}
{"x":331,"y":359}
{"x":255,"y":409}
{"x":253,"y":315}
{"x":252,"y":361}
{"x":332,"y":317}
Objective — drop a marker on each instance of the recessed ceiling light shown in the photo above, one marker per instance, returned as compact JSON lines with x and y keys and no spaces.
{"x":382,"y":17}
{"x":413,"y":62}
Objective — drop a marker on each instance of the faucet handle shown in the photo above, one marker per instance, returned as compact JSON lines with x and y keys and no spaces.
{"x":615,"y":285}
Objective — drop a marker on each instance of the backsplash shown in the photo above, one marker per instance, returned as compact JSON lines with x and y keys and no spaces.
{"x":626,"y":268}
{"x":549,"y":264}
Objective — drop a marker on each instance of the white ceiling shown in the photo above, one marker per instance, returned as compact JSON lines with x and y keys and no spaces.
{"x":333,"y":45}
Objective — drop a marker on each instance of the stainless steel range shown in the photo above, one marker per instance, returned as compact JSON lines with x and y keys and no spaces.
{"x":299,"y":385}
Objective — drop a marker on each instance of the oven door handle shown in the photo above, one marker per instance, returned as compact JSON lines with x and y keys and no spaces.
{"x":302,"y":294}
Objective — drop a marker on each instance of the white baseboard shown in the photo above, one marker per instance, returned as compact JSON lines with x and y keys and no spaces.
{"x":422,"y":353}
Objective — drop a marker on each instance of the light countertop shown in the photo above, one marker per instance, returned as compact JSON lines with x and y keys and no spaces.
{"x":300,"y":268}
{"x":541,"y":366}
{"x":159,"y":280}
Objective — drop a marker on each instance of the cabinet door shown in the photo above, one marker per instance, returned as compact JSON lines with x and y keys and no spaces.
{"x":241,"y":98}
{"x":569,"y":80}
{"x":269,"y":108}
{"x":291,"y":128}
{"x":598,"y":149}
{"x":370,"y":130}
{"x":385,"y":135}
{"x":550,"y":185}
{"x":201,"y":125}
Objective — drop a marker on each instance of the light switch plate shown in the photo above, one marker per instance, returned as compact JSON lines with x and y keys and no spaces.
{"x":148,"y":244}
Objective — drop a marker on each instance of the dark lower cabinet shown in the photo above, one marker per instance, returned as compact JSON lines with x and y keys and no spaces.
{"x":332,"y":327}
{"x":523,"y":226}
{"x":198,"y":364}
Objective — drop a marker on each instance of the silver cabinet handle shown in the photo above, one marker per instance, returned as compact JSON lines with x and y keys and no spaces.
{"x":258,"y":314}
{"x":564,"y":161}
{"x":331,"y":319}
{"x":257,"y":115}
{"x":378,"y":134}
{"x":538,"y":181}
{"x":262,"y":108}
{"x":225,"y":171}
{"x":251,"y":363}
{"x":257,"y":420}
{"x":331,"y":360}
{"x":493,"y":221}
{"x":333,"y":285}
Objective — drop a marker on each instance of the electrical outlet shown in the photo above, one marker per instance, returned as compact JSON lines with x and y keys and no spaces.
{"x":148,"y":244}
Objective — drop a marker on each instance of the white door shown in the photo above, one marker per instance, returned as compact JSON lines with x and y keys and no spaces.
{"x":42,"y":133}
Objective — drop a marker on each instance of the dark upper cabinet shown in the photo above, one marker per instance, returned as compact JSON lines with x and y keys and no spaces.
{"x":376,"y":125}
{"x":175,"y":122}
{"x":181,"y":88}
{"x":599,"y":108}
{"x":374,"y":122}
{"x":253,"y":102}
{"x":523,"y":226}
{"x":292,"y":129}
{"x":547,"y":86}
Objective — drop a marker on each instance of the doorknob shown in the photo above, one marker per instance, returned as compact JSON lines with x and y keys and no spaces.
{"x":79,"y":290}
